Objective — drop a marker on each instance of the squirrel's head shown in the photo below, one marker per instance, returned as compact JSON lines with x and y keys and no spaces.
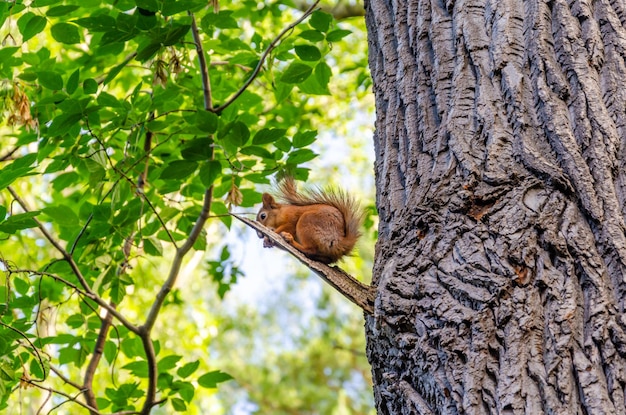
{"x":265,"y":215}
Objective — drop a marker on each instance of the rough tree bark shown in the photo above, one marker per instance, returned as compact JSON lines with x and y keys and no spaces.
{"x":501,"y":262}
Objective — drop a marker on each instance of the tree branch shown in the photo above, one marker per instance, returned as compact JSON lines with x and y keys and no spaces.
{"x":98,"y":350}
{"x":204,"y":69}
{"x":360,"y":294}
{"x":181,"y":251}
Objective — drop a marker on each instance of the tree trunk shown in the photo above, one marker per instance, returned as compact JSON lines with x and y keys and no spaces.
{"x":501,"y":261}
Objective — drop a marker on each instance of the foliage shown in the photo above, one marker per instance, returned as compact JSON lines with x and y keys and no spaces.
{"x":127,"y":127}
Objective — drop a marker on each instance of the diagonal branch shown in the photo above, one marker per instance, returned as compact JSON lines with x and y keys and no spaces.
{"x":360,"y":294}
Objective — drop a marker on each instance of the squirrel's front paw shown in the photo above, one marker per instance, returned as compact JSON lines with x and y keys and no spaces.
{"x":287,"y":237}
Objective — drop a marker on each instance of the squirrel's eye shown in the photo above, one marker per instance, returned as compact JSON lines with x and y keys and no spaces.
{"x":263,"y":215}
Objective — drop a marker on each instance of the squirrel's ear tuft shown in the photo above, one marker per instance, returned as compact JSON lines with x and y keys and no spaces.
{"x":268,"y":201}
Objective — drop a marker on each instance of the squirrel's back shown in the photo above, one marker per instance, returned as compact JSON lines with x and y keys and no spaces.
{"x":348,"y":207}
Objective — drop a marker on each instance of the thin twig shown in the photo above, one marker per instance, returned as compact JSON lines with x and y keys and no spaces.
{"x":8,"y":155}
{"x":269,"y":49}
{"x":65,"y":378}
{"x":204,"y":69}
{"x":35,"y":350}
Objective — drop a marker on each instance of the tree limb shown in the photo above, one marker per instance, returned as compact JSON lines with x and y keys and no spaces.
{"x":360,"y":294}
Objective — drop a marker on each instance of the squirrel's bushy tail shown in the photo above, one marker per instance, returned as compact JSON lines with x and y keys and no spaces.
{"x":350,"y":209}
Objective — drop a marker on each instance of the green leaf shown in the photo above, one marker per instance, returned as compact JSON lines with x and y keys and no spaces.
{"x":152,"y":246}
{"x":65,"y":33}
{"x":168,"y":363}
{"x":221,"y":20}
{"x":149,"y":5}
{"x":62,"y":123}
{"x":337,"y":35}
{"x":107,"y":100}
{"x":100,"y":23}
{"x":61,"y":215}
{"x":210,"y":171}
{"x":312,"y":35}
{"x":115,"y":71}
{"x":174,"y":34}
{"x":188,"y":369}
{"x":211,"y":379}
{"x":185,"y":389}
{"x":110,"y":351}
{"x":103,"y":403}
{"x":171,"y":8}
{"x":308,"y":53}
{"x":198,"y":149}
{"x":268,"y":135}
{"x":301,"y":156}
{"x":304,"y":138}
{"x":19,"y":168}
{"x":179,"y":405}
{"x":118,"y":290}
{"x":206,"y":121}
{"x":236,"y":134}
{"x":283,"y":144}
{"x":312,"y":87}
{"x":320,"y":20}
{"x":50,"y":80}
{"x":18,"y":222}
{"x":139,"y":368}
{"x":72,"y":82}
{"x":21,"y":286}
{"x":6,"y":371}
{"x":90,"y":86}
{"x":61,"y":10}
{"x":256,"y":151}
{"x":147,"y":51}
{"x":296,"y":73}
{"x":30,"y":25}
{"x":75,"y":321}
{"x":179,"y":169}
{"x":323,"y":73}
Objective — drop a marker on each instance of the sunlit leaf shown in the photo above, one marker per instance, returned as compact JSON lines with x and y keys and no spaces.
{"x":65,"y":33}
{"x":212,"y":379}
{"x":30,"y":25}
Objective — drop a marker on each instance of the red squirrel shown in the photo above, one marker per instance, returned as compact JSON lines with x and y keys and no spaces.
{"x":322,"y":224}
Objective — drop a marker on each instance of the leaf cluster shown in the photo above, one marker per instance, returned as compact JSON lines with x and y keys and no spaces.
{"x":126,"y":127}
